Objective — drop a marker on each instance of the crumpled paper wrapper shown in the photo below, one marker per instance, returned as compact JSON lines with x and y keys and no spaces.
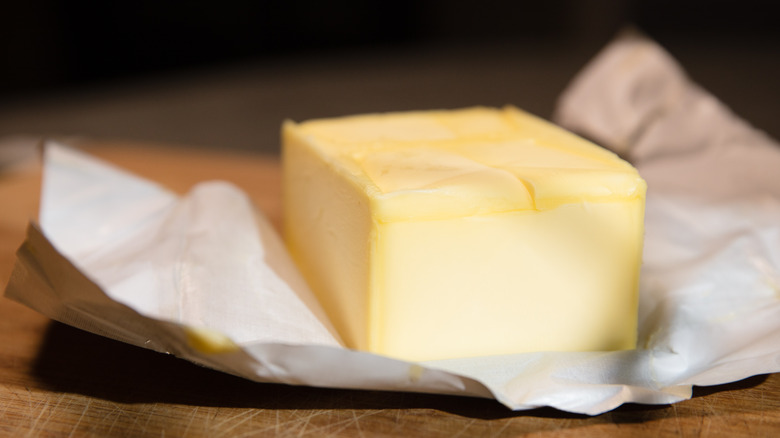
{"x":205,"y":278}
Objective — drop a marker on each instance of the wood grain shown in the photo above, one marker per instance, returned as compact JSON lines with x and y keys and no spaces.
{"x":59,"y":381}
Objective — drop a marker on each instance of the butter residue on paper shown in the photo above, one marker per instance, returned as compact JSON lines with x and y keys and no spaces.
{"x":209,"y":341}
{"x":443,"y":234}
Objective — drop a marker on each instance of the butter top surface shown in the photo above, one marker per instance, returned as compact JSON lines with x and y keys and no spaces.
{"x":446,"y":163}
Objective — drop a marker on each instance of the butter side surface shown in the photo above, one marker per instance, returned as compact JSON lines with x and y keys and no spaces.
{"x":440,"y":234}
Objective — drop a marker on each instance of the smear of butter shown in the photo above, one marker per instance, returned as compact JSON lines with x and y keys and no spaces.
{"x":209,"y":341}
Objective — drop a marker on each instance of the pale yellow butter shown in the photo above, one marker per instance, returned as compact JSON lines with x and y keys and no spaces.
{"x":442,"y":234}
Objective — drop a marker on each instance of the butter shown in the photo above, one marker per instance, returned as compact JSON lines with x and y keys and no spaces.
{"x":443,"y":234}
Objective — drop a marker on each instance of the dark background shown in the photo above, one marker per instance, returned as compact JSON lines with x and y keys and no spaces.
{"x":56,"y":52}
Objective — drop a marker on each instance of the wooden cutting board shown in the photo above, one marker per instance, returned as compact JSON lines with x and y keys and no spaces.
{"x":59,"y":381}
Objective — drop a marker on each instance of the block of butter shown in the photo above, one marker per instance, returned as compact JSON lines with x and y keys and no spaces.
{"x":458,"y":233}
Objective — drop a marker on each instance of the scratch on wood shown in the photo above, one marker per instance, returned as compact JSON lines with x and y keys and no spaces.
{"x":117,"y":412}
{"x":349,"y":421}
{"x":285,"y":426}
{"x":339,"y":426}
{"x":36,"y":422}
{"x":278,"y":423}
{"x":232,"y":421}
{"x":677,"y":420}
{"x":357,"y":424}
{"x":192,"y":419}
{"x":247,"y":415}
{"x":505,"y":425}
{"x":297,"y":424}
{"x":304,"y":425}
{"x":149,"y":416}
{"x":115,"y":417}
{"x":465,"y":428}
{"x":83,"y":412}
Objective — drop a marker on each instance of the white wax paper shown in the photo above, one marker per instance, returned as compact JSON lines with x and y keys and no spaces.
{"x":205,"y":278}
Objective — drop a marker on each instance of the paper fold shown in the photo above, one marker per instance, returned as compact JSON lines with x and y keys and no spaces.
{"x":204,"y":277}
